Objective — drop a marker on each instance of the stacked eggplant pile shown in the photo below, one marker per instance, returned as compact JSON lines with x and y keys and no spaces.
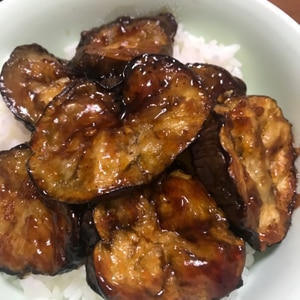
{"x":151,"y":172}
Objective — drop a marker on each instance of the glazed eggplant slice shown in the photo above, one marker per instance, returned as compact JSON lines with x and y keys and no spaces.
{"x":64,"y":136}
{"x":166,"y":241}
{"x":245,"y":157}
{"x":34,"y":236}
{"x":78,"y":159}
{"x":218,"y":82}
{"x":104,"y":51}
{"x":29,"y":80}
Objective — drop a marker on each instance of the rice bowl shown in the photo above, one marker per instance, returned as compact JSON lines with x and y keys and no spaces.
{"x":255,"y":58}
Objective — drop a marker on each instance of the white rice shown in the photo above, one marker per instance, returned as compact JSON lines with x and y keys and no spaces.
{"x":12,"y":132}
{"x":72,"y":285}
{"x":210,"y":52}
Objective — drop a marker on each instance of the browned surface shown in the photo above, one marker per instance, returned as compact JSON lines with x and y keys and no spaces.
{"x":30,"y":79}
{"x":291,"y":7}
{"x":33,"y":237}
{"x":169,"y":241}
{"x":164,"y":108}
{"x":218,"y":82}
{"x":259,"y":159}
{"x":105,"y":50}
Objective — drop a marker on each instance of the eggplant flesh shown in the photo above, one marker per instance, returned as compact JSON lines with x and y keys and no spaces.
{"x":81,"y":153}
{"x":137,"y":112}
{"x":30,"y":79}
{"x":168,"y":241}
{"x":36,"y":236}
{"x":104,"y":51}
{"x":245,"y":157}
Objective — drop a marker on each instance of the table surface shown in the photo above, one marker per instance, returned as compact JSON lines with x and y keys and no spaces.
{"x":291,"y":7}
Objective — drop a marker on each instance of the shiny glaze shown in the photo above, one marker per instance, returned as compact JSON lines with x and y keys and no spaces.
{"x":104,"y":51}
{"x":166,"y":241}
{"x":76,"y":159}
{"x":218,"y":82}
{"x":34,"y":236}
{"x":246,"y":159}
{"x":30,"y":79}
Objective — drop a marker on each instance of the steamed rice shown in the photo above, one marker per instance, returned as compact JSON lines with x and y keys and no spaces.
{"x":210,"y":52}
{"x":72,"y":285}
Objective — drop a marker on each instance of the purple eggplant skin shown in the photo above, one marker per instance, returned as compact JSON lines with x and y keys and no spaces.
{"x":84,"y":149}
{"x":211,"y":162}
{"x":104,"y":51}
{"x":218,"y":82}
{"x":30,"y":79}
{"x":245,"y":156}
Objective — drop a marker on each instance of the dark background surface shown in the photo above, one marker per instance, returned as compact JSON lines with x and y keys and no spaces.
{"x":291,"y":7}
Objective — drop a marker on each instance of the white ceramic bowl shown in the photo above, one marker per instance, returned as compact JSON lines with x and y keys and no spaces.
{"x":270,"y":54}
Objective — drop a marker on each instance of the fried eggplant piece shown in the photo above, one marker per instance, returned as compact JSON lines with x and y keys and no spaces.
{"x":104,"y":51}
{"x":35,"y":236}
{"x":218,"y":82}
{"x":245,"y":157}
{"x":167,"y":241}
{"x":64,"y":136}
{"x":77,"y":159}
{"x":30,"y":79}
{"x":219,"y":85}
